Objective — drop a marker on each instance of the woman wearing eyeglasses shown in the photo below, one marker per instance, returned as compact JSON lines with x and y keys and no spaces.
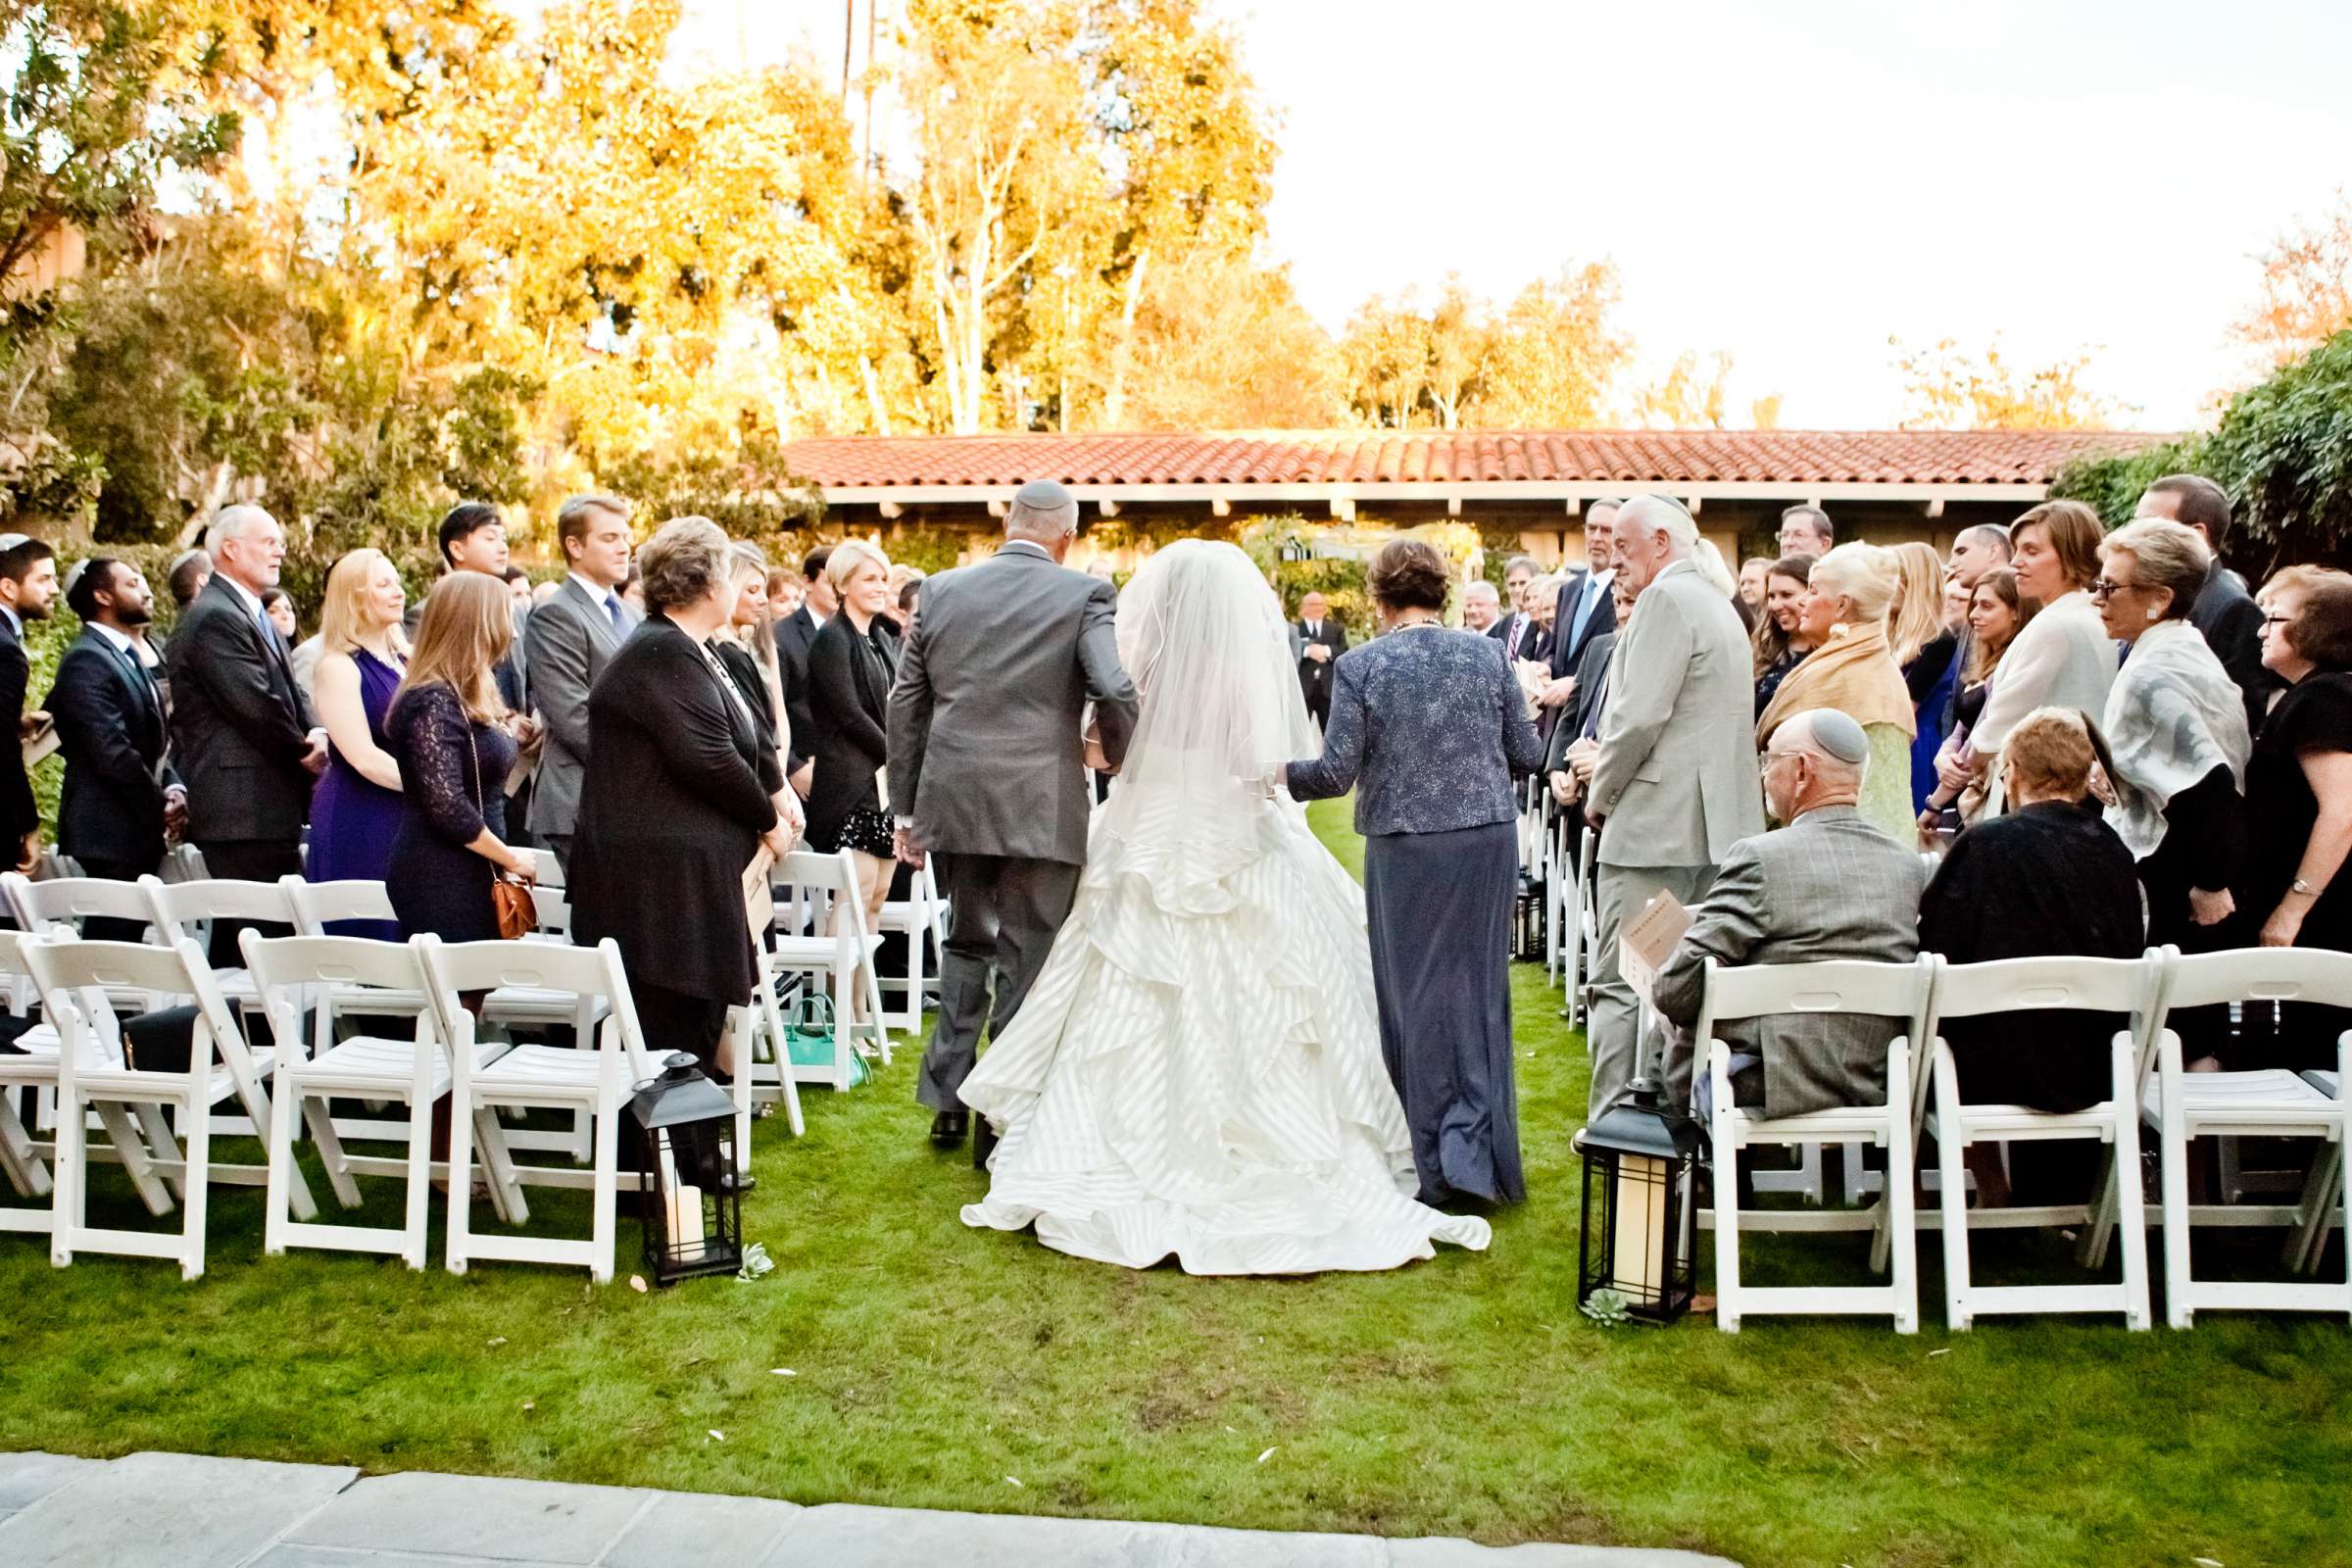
{"x":2064,"y":658}
{"x":2177,"y":726}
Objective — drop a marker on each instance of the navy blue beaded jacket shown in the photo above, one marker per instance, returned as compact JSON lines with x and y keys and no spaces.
{"x":1427,"y":727}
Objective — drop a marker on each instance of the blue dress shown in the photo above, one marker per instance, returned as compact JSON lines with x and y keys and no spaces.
{"x":353,"y":819}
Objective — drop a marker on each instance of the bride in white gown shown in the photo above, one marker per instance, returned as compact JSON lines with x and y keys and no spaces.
{"x":1196,"y":1071}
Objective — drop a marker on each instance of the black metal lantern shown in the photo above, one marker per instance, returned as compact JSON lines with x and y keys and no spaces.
{"x":1641,"y":1163}
{"x":1527,"y":920}
{"x":686,"y":1164}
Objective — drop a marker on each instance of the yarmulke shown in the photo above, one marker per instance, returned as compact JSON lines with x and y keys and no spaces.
{"x":1839,"y":736}
{"x":72,"y":576}
{"x":1042,"y":495}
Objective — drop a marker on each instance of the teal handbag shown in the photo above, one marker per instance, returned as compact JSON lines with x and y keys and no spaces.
{"x":810,"y":1038}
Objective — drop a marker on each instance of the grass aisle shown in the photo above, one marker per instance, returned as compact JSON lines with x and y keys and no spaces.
{"x":935,"y":1366}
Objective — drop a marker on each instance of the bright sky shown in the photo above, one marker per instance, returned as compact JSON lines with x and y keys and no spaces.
{"x":1795,"y":182}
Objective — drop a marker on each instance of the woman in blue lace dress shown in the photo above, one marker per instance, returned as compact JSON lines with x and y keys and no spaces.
{"x":449,"y":731}
{"x":1428,"y":726}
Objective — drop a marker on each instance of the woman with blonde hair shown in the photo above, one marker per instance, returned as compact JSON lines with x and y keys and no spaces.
{"x":852,"y":665}
{"x":2063,"y":658}
{"x":747,"y":646}
{"x":355,"y":810}
{"x":456,"y":743}
{"x":1925,"y":649}
{"x":1852,"y":670}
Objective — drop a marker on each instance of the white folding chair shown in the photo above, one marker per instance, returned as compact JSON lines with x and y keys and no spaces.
{"x":842,"y":959}
{"x":60,"y":905}
{"x":596,"y":1080}
{"x":77,"y":979}
{"x":289,"y":972}
{"x":920,"y":918}
{"x":2120,"y":986}
{"x":2333,"y":1172}
{"x":1897,"y":991}
{"x":31,"y":1065}
{"x":181,"y":906}
{"x":2273,"y":1103}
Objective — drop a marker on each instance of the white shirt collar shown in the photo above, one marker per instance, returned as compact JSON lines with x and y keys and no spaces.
{"x":16,"y":622}
{"x":121,"y":640}
{"x":1028,"y":543}
{"x":597,"y":593}
{"x":253,"y":601}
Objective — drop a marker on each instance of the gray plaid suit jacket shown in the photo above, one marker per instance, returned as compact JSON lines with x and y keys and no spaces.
{"x":1827,"y":886}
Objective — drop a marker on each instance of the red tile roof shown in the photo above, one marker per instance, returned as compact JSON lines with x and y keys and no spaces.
{"x":1467,"y":457}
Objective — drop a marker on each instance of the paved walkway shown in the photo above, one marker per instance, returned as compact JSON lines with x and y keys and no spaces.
{"x":176,"y":1510}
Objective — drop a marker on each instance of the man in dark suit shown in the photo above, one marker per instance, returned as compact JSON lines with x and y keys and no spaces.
{"x":1517,"y":630}
{"x":2225,"y":612}
{"x":242,"y":734}
{"x":121,"y":796}
{"x":794,"y":633}
{"x":569,"y":641}
{"x":27,"y":587}
{"x":1584,"y":611}
{"x":1317,"y":640}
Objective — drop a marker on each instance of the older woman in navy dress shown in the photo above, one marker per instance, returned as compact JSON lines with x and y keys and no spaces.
{"x":1429,"y":727}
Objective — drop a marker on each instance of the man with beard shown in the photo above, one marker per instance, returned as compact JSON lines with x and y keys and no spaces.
{"x":28,"y":586}
{"x":121,"y":796}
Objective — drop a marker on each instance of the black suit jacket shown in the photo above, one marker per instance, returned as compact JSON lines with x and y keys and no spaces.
{"x":2233,"y":626}
{"x":751,"y":681}
{"x":849,"y":701}
{"x":1568,"y":640}
{"x":239,"y":725}
{"x":795,"y":634}
{"x":17,"y":809}
{"x":1315,"y":679}
{"x":671,"y":810}
{"x":1591,"y":676}
{"x":109,"y":726}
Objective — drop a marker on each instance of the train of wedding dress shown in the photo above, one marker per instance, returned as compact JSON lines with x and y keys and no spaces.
{"x":1196,"y":1071}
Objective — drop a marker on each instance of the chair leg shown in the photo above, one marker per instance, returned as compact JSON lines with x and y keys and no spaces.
{"x":499,"y":1162}
{"x":25,"y":1172}
{"x":2320,"y":1196}
{"x":462,"y":1117}
{"x":258,"y":1108}
{"x":603,"y":1222}
{"x":774,"y":1017}
{"x":2171,"y":1156}
{"x":158,"y":1139}
{"x":1896,"y":1200}
{"x":1954,"y":1198}
{"x":2132,"y":1205}
{"x":420,"y":1182}
{"x":68,"y":1207}
{"x":131,"y":1147}
{"x":281,"y":1151}
{"x":331,"y":1153}
{"x":198,"y":1201}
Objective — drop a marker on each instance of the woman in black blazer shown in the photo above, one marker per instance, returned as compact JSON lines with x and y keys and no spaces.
{"x":747,"y":648}
{"x":851,"y":664}
{"x":673,"y":804}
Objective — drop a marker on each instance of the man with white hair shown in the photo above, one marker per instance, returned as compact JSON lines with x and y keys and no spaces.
{"x":1827,"y":886}
{"x":1482,"y":606}
{"x":241,"y":734}
{"x":986,"y":769}
{"x":1674,"y":780}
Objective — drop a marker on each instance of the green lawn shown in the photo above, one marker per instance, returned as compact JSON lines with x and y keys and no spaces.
{"x":940,"y":1367}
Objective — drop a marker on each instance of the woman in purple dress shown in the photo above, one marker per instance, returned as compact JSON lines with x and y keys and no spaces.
{"x":355,"y":810}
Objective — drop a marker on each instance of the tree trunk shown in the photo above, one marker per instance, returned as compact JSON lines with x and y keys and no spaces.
{"x":1114,"y":399}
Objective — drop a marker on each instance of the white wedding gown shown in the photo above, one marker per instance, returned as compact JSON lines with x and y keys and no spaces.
{"x":1196,"y":1071}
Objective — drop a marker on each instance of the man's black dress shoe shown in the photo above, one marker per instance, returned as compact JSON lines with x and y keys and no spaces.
{"x":948,"y":1127}
{"x":984,"y":1142}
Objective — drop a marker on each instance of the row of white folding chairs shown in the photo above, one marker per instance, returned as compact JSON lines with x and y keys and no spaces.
{"x":78,"y":1055}
{"x":2149,"y":1087}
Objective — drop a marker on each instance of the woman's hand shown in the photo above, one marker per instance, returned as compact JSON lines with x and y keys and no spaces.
{"x":777,"y":840}
{"x":2210,"y":909}
{"x":2282,"y":927}
{"x":522,"y":868}
{"x":1953,"y":775}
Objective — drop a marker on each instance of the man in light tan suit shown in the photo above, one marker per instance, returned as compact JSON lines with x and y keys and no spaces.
{"x":1674,"y":786}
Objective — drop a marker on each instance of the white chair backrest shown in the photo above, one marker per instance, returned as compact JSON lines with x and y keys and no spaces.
{"x":2258,"y":974}
{"x":62,"y":904}
{"x":554,"y":910}
{"x":835,"y":873}
{"x":16,"y":984}
{"x":2131,"y":987}
{"x":551,"y":869}
{"x":75,"y":976}
{"x":1837,"y":985}
{"x":314,"y":903}
{"x":284,"y":968}
{"x":178,"y":905}
{"x":455,"y":968}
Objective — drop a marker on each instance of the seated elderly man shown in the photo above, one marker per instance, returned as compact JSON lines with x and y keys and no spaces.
{"x":1828,"y":885}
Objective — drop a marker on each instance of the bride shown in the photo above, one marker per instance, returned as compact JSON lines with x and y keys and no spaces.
{"x":1196,"y":1071}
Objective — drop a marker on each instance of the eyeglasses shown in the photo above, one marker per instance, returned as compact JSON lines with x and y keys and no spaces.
{"x":2276,"y":620}
{"x":2101,"y":588}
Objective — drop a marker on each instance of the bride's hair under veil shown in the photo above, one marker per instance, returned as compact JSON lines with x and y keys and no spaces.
{"x":1202,"y":636}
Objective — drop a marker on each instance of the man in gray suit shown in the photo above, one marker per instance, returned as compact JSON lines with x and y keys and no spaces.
{"x":985,"y":767}
{"x":1827,"y":886}
{"x":1674,"y":780}
{"x":569,"y":641}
